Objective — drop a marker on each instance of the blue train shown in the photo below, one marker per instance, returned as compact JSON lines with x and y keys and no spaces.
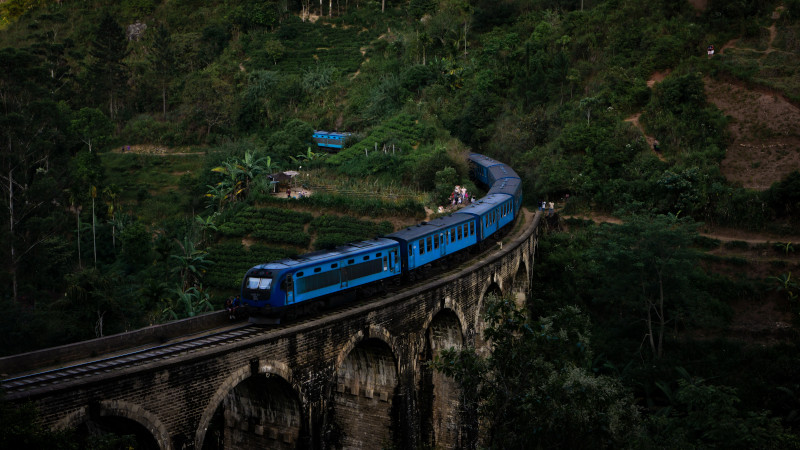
{"x":330,"y":139}
{"x":290,"y":287}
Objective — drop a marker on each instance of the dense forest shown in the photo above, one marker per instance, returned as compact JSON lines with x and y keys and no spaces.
{"x":137,"y":136}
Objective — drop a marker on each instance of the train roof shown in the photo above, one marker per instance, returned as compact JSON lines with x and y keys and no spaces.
{"x":426,"y":228}
{"x":342,"y":251}
{"x":482,"y":160}
{"x":502,"y":171}
{"x":485,"y":204}
{"x":330,"y":133}
{"x":506,"y":186}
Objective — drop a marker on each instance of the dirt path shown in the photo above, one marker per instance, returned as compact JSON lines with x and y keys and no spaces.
{"x":721,"y":233}
{"x":153,"y":150}
{"x":657,"y":77}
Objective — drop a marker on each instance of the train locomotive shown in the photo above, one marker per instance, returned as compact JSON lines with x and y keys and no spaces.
{"x":291,"y":287}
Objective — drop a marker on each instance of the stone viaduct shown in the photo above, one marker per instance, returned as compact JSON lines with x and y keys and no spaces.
{"x":352,"y":378}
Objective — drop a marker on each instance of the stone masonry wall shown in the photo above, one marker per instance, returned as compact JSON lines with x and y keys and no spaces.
{"x":352,"y":371}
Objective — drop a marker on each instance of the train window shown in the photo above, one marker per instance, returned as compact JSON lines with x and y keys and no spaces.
{"x":465,"y":230}
{"x":351,"y":261}
{"x":452,"y":234}
{"x":428,"y":241}
{"x":317,"y":269}
{"x":458,"y":230}
{"x":299,"y":274}
{"x":436,"y":241}
{"x":333,"y":266}
{"x":472,"y":228}
{"x":259,"y":283}
{"x":410,"y":249}
{"x":366,"y":257}
{"x":378,"y":255}
{"x":421,"y":246}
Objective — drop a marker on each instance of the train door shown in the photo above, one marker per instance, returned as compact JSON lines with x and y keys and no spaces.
{"x":393,"y":260}
{"x":289,"y":289}
{"x":442,"y":244}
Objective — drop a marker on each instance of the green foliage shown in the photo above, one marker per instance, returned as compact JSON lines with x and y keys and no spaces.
{"x":394,"y":138}
{"x":348,"y":204}
{"x":706,"y":243}
{"x":272,"y":225}
{"x":678,"y":117}
{"x":647,"y":265}
{"x":533,"y":390}
{"x":233,"y":260}
{"x":92,"y":127}
{"x":337,"y":230}
{"x":136,"y":245}
{"x":19,"y":428}
{"x":784,"y":196}
{"x":186,"y":303}
{"x":708,"y":416}
{"x":145,"y":129}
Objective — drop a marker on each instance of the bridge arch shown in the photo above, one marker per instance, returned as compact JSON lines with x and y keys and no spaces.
{"x":521,"y":283}
{"x":366,"y":383}
{"x":145,"y":419}
{"x":283,"y":393}
{"x":439,"y":394}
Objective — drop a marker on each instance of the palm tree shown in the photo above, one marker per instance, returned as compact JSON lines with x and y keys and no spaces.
{"x":188,"y":303}
{"x":217,"y":194}
{"x":110,"y":195}
{"x":232,"y":170}
{"x":73,"y":200}
{"x":94,"y":233}
{"x":206,"y":224}
{"x":308,"y":158}
{"x":190,"y":264}
{"x":252,"y":166}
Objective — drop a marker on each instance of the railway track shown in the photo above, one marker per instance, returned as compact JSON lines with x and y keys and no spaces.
{"x":17,"y":386}
{"x":105,"y":365}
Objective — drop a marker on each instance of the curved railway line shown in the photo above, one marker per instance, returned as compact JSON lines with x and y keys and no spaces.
{"x":134,"y":358}
{"x":58,"y":378}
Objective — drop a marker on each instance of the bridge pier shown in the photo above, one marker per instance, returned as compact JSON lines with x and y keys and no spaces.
{"x":353,"y":378}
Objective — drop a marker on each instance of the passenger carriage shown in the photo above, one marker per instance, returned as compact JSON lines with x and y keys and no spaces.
{"x":427,"y":242}
{"x":330,"y":139}
{"x":272,"y":287}
{"x":492,"y":212}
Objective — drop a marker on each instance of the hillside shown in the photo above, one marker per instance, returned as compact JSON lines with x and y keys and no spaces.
{"x":138,"y":137}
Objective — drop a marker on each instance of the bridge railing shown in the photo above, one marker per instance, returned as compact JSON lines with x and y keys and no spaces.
{"x":77,"y":351}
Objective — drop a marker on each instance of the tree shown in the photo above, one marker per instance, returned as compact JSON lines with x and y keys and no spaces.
{"x":646,"y":264}
{"x":209,"y":99}
{"x":162,"y":61}
{"x":275,"y":50}
{"x":701,"y":415}
{"x":90,"y":297}
{"x":256,"y":99}
{"x":533,"y":390}
{"x":107,"y":70}
{"x":91,"y":126}
{"x":30,"y":132}
{"x":20,"y":428}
